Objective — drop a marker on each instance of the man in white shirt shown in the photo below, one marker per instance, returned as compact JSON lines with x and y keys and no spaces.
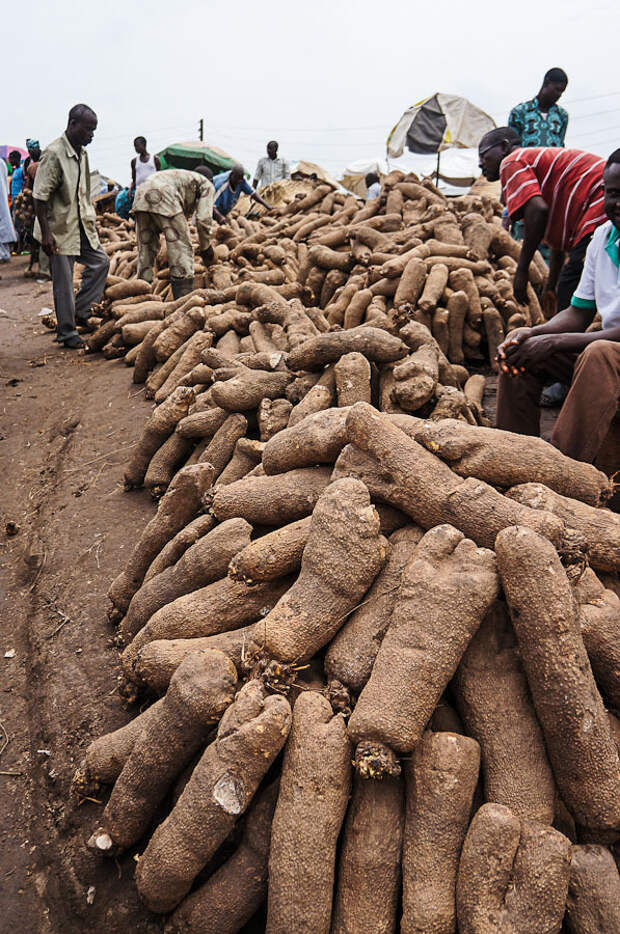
{"x":561,"y":348}
{"x":270,"y":168}
{"x":373,"y":186}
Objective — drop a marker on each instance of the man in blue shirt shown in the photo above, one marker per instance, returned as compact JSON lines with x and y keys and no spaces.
{"x":540,"y":122}
{"x":229,"y":186}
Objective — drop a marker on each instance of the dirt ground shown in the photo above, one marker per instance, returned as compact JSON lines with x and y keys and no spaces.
{"x":66,"y":423}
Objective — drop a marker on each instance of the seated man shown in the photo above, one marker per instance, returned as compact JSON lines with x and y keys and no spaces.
{"x":560,"y":348}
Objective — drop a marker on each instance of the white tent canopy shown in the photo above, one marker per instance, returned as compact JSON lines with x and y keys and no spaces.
{"x":458,"y":170}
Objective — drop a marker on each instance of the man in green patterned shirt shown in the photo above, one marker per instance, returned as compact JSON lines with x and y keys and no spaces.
{"x":540,"y":122}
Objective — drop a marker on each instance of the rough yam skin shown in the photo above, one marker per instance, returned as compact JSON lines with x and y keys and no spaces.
{"x":441,"y":779}
{"x":593,"y":904}
{"x":344,"y":554}
{"x":200,"y":691}
{"x":569,"y":707}
{"x":182,"y":501}
{"x":274,"y":500}
{"x":494,"y":702}
{"x":177,"y":546}
{"x":367,"y":890}
{"x":105,"y":757}
{"x":274,"y":555}
{"x":222,"y":785}
{"x":505,"y":459}
{"x":314,"y":793}
{"x":236,"y":891}
{"x":446,"y":589}
{"x":202,"y":563}
{"x":352,"y":652}
{"x":160,"y":426}
{"x":214,"y":609}
{"x":157,"y":661}
{"x":420,"y":484}
{"x":245,"y":392}
{"x":599,"y":619}
{"x":375,"y":344}
{"x":353,"y":376}
{"x":317,"y":439}
{"x":513,"y":875}
{"x":599,"y":527}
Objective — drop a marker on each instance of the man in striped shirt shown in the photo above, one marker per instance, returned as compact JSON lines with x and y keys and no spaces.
{"x":558,"y":193}
{"x":563,"y":348}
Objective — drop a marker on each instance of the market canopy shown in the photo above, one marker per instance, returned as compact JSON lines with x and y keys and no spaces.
{"x":194,"y":153}
{"x":439,"y":122}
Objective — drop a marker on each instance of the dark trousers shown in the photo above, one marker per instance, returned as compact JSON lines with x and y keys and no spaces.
{"x":70,"y":307}
{"x":588,"y":410}
{"x":571,"y":272}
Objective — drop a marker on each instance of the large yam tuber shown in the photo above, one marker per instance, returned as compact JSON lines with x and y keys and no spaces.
{"x":441,"y":779}
{"x":272,"y":500}
{"x":201,"y":689}
{"x":180,"y":504}
{"x":314,"y":792}
{"x":376,"y":345}
{"x":369,"y":866}
{"x":208,"y":611}
{"x":353,"y":377}
{"x":494,"y":702}
{"x":202,"y":564}
{"x":317,"y":439}
{"x":577,"y":734}
{"x":599,"y":620}
{"x":416,"y":378}
{"x":419,"y":484}
{"x":245,"y":392}
{"x":222,"y":785}
{"x":446,"y":589}
{"x":177,"y":546}
{"x":159,"y":427}
{"x":505,"y":459}
{"x":513,"y":875}
{"x":233,"y":894}
{"x":157,"y":661}
{"x":410,"y":285}
{"x":343,"y":555}
{"x":274,"y":555}
{"x":600,"y":528}
{"x":352,"y":652}
{"x":593,"y":903}
{"x":105,"y":757}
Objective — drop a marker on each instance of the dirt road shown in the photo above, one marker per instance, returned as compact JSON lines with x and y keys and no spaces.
{"x":66,"y":424}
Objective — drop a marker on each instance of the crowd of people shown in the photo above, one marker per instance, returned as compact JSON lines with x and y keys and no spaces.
{"x":564,"y":200}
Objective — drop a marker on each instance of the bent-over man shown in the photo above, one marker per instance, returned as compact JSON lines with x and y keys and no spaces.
{"x":558,"y":193}
{"x":65,"y":225}
{"x":163,"y":204}
{"x":561,"y":348}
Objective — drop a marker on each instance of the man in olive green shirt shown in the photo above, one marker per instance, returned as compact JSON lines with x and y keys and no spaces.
{"x":65,"y":224}
{"x":163,"y":204}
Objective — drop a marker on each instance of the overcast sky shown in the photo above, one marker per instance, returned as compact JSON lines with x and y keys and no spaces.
{"x":327,"y":78}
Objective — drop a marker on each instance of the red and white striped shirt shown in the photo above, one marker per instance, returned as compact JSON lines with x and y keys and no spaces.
{"x":569,"y":180}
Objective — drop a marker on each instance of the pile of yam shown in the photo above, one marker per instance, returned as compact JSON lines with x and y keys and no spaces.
{"x":373,"y":656}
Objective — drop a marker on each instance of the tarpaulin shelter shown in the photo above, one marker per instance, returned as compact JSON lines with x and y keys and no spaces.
{"x":194,"y":153}
{"x":437,"y":123}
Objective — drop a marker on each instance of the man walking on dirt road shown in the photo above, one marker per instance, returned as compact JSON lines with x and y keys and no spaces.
{"x":65,"y":224}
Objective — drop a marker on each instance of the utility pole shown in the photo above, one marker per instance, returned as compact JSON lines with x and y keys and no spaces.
{"x":201,"y":130}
